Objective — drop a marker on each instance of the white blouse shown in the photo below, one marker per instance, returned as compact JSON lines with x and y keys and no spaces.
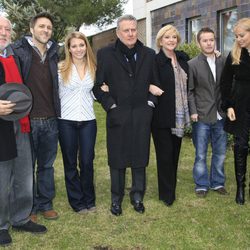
{"x":76,"y":97}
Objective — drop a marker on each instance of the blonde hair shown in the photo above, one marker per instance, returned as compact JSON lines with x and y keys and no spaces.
{"x":65,"y":66}
{"x":244,"y":23}
{"x":162,"y":32}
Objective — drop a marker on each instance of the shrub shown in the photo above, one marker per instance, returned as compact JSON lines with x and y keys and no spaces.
{"x":190,"y":48}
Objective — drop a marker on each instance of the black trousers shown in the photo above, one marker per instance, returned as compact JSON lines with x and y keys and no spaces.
{"x":167,"y":149}
{"x":118,"y":184}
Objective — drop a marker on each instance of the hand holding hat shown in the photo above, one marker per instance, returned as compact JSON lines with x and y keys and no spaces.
{"x":15,"y":101}
{"x":6,"y":107}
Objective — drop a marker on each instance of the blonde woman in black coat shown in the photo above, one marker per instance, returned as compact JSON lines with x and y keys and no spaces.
{"x":171,"y":115}
{"x":235,"y":93}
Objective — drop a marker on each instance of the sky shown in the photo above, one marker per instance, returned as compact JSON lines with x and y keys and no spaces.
{"x":92,"y":29}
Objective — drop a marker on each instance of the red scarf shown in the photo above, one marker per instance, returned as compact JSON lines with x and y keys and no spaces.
{"x":12,"y":74}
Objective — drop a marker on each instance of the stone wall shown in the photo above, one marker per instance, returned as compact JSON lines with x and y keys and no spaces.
{"x":178,"y":13}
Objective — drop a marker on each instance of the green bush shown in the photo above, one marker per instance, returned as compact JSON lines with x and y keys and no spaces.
{"x":190,"y":48}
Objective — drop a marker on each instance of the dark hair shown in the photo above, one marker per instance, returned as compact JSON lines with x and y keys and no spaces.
{"x":204,"y":30}
{"x":40,"y":15}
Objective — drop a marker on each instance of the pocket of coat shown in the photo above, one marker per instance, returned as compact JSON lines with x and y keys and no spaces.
{"x":113,"y":117}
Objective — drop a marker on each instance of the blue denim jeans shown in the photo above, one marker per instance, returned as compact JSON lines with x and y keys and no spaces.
{"x":44,"y":145}
{"x":77,"y":141}
{"x":16,"y":179}
{"x":204,"y":133}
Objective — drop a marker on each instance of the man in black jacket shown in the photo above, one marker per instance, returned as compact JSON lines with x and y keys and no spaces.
{"x":127,"y":68}
{"x":38,"y":58}
{"x":16,"y":174}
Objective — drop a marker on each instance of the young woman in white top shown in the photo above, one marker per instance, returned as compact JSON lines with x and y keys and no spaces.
{"x":77,"y":125}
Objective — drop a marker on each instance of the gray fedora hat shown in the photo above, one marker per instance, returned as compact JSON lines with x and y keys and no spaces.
{"x":18,"y":94}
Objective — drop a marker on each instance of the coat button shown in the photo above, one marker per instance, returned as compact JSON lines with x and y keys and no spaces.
{"x":130,"y":75}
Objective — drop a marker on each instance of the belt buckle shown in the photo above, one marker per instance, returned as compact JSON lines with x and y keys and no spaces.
{"x":40,"y":118}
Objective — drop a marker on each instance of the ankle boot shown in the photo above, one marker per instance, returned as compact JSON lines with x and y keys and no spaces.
{"x":240,"y":160}
{"x":240,"y":194}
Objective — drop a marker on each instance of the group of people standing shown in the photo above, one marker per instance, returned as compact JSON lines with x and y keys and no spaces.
{"x":141,"y":93}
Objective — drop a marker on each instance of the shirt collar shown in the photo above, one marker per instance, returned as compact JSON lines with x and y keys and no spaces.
{"x":3,"y":53}
{"x":7,"y":52}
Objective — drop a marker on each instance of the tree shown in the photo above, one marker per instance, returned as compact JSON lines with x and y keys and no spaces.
{"x":68,"y":14}
{"x":77,"y":12}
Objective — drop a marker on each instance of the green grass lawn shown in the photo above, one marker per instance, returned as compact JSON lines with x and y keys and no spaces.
{"x":215,"y":222}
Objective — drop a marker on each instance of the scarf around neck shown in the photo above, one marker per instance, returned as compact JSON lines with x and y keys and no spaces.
{"x":129,"y":53}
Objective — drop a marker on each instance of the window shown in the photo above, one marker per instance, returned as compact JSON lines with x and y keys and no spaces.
{"x":193,"y":26}
{"x":164,"y":24}
{"x":227,"y":20}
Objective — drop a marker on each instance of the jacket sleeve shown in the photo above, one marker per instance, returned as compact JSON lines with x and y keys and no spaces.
{"x":226,"y":85}
{"x":155,"y":81}
{"x":104,"y":98}
{"x":191,"y":91}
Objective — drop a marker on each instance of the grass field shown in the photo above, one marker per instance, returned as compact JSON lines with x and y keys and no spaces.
{"x":215,"y":222}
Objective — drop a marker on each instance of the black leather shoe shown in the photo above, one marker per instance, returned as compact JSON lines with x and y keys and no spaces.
{"x":138,"y":206}
{"x":5,"y":238}
{"x":168,"y":203}
{"x":116,"y":209}
{"x":31,"y":227}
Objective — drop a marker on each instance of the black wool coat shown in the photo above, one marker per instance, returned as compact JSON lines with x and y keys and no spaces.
{"x":164,"y":113}
{"x":128,"y":125}
{"x":235,"y":91}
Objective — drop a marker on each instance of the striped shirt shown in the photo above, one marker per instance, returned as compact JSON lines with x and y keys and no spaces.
{"x":76,"y":97}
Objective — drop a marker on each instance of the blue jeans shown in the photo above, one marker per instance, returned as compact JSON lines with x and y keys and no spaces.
{"x":204,"y":133}
{"x":77,"y":141}
{"x":44,"y":145}
{"x":16,"y":179}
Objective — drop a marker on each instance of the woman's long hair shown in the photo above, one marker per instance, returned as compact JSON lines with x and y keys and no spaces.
{"x":65,"y":66}
{"x":244,"y":23}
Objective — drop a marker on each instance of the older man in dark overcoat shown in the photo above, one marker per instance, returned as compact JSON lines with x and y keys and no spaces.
{"x":16,"y":174}
{"x":126,"y":67}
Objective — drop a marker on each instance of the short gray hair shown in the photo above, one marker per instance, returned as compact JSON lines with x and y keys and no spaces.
{"x":126,"y":17}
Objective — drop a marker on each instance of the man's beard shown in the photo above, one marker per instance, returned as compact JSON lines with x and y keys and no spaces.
{"x":3,"y":47}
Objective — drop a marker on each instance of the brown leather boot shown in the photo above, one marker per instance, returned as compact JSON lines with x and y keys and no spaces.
{"x":50,"y":215}
{"x":33,"y":218}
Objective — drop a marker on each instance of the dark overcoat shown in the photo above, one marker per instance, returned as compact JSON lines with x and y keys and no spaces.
{"x":165,"y":113}
{"x":128,"y":125}
{"x":235,"y":91}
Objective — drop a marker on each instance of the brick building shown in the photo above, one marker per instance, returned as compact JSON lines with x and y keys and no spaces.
{"x":190,"y":15}
{"x":187,"y":15}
